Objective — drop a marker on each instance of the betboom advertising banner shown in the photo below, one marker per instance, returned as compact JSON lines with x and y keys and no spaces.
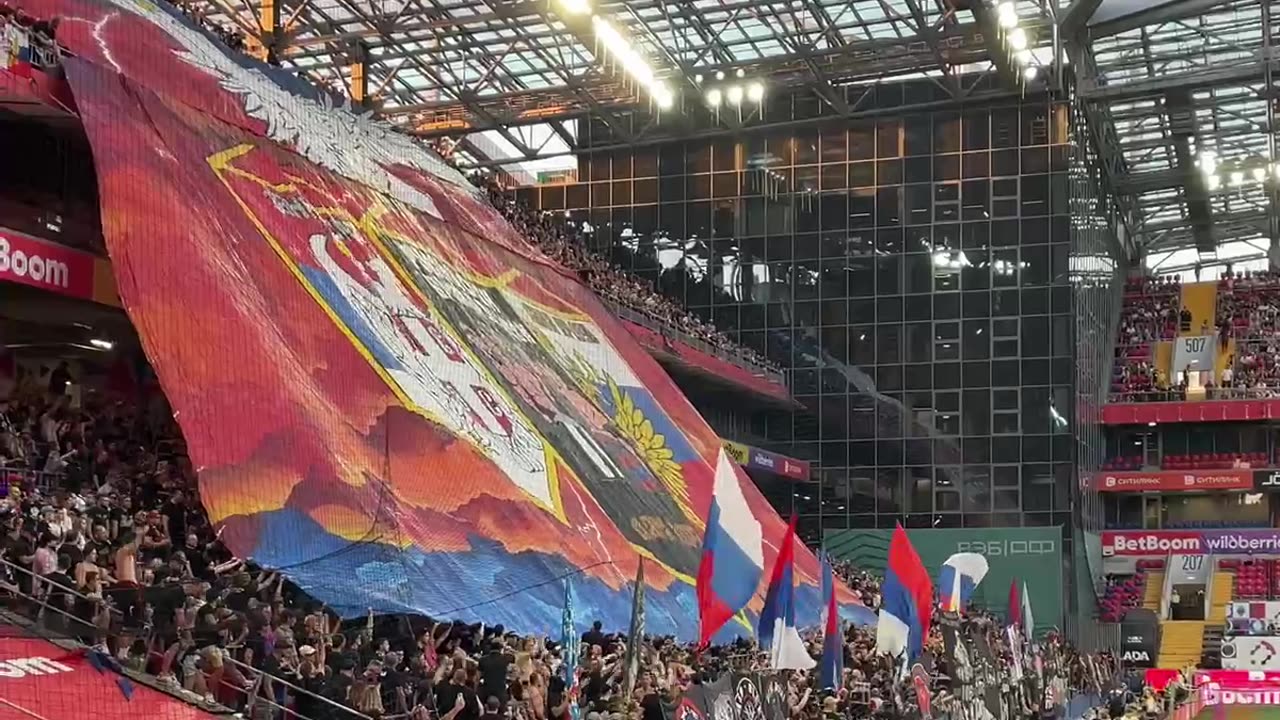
{"x":1173,"y":480}
{"x":390,"y":394}
{"x":52,"y":267}
{"x":1030,"y":554}
{"x":1158,"y":543}
{"x":1251,"y":653}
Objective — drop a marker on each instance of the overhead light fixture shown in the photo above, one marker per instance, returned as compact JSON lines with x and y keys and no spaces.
{"x":713,"y":97}
{"x":1237,"y":177}
{"x":719,"y":74}
{"x":741,"y":73}
{"x":1213,"y":181}
{"x":662,"y":96}
{"x":1018,"y":39}
{"x":1208,"y":162}
{"x":1259,"y":174}
{"x":1023,"y":57}
{"x":698,"y":78}
{"x":755,"y":92}
{"x":1031,"y":72}
{"x":102,"y":344}
{"x":1007,"y":13}
{"x":575,"y":7}
{"x":734,"y":94}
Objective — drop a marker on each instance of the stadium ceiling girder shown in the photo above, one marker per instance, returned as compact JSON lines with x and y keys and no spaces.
{"x":1162,"y":83}
{"x":451,"y":67}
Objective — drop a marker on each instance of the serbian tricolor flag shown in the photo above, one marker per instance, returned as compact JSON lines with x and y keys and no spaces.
{"x":832,"y":639}
{"x":906,"y":600}
{"x":777,"y":631}
{"x":958,"y":578}
{"x":732,"y":553}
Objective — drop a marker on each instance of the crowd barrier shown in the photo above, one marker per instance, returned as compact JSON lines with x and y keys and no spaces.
{"x":28,"y":479}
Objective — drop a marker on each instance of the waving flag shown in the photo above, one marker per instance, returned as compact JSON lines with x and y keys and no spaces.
{"x":732,"y":553}
{"x":832,"y":641}
{"x":634,"y":636}
{"x":572,"y":652}
{"x":777,"y":630}
{"x":906,"y":600}
{"x":1019,"y":613}
{"x":959,"y":577}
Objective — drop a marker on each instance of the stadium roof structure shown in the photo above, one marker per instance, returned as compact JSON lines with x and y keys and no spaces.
{"x":460,"y":67}
{"x":1180,"y":103}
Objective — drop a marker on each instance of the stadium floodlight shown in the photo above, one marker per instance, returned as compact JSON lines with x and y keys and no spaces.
{"x":1259,"y":174}
{"x":1018,"y":39}
{"x":1208,"y":162}
{"x":734,"y":94}
{"x":1213,"y":181}
{"x":713,"y":97}
{"x":1023,"y":57}
{"x":1007,"y":13}
{"x":741,"y":73}
{"x":755,"y":92}
{"x":575,"y":7}
{"x":662,"y":96}
{"x":1237,"y":177}
{"x":719,"y":74}
{"x":1031,"y":72}
{"x":698,"y":78}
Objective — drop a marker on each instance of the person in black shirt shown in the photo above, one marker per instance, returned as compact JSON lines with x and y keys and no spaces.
{"x":447,"y":695}
{"x":493,"y":672}
{"x":594,"y":636}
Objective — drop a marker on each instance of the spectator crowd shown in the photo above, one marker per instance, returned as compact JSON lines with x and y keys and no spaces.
{"x":105,"y":540}
{"x":566,"y":243}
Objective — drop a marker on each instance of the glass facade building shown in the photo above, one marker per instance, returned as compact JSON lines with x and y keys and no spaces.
{"x":912,"y":269}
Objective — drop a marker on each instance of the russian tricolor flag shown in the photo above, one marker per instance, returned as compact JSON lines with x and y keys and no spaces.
{"x":958,"y":578}
{"x":777,"y":631}
{"x":732,"y":553}
{"x":906,"y":600}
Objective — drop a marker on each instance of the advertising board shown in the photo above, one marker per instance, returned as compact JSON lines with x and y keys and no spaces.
{"x":1174,"y":480}
{"x":1159,"y":543}
{"x":1251,"y":653}
{"x":1253,"y":618}
{"x":1032,"y":554}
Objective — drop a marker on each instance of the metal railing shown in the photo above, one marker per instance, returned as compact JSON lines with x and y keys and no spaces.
{"x":669,"y":331}
{"x":28,"y":479}
{"x":251,"y":697}
{"x":1210,"y":393}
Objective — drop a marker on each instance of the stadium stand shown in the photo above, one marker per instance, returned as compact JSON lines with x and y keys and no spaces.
{"x":109,"y":547}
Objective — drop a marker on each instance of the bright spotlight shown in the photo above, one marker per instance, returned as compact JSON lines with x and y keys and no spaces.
{"x":735,"y":95}
{"x":1031,"y":72}
{"x":1007,"y":13}
{"x":713,"y":97}
{"x":719,"y":74}
{"x":1259,"y":174}
{"x":662,"y":96}
{"x":1237,"y":177}
{"x":1018,"y":39}
{"x":1023,"y":57}
{"x":755,"y":92}
{"x":741,"y":73}
{"x":1208,"y":162}
{"x":1213,"y":181}
{"x":576,"y":7}
{"x":698,"y":78}
{"x":102,"y":344}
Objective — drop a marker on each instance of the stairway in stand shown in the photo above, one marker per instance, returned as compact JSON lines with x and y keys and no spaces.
{"x":1215,"y":627}
{"x":1152,"y":590}
{"x":1181,"y":643}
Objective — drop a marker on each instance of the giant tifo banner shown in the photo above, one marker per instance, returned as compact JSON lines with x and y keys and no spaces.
{"x":1251,"y":653}
{"x":389,"y":394}
{"x":1173,"y":480}
{"x":1158,"y":543}
{"x":1030,"y":554}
